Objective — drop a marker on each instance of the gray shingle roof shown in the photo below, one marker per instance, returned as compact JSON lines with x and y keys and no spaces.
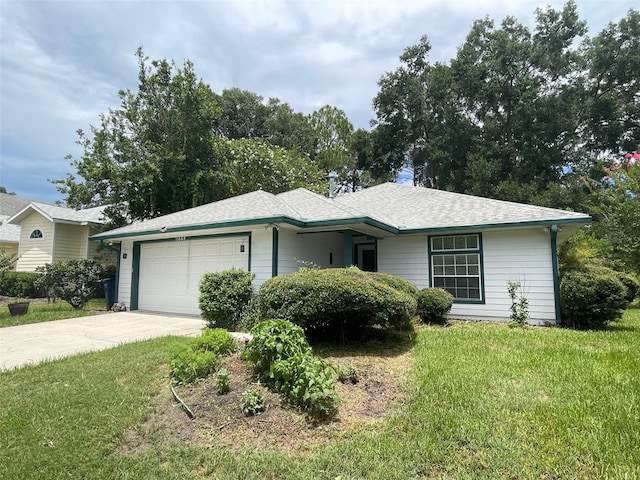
{"x":12,"y":204}
{"x":62,"y":214}
{"x":8,"y":233}
{"x":424,"y":208}
{"x":400,"y":207}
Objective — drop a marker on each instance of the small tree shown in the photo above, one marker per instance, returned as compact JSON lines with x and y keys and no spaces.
{"x":72,"y":281}
{"x":6,"y":261}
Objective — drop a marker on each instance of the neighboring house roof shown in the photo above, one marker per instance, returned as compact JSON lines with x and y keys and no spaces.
{"x":8,"y":233}
{"x":390,"y":207}
{"x":57,"y":214}
{"x":12,"y":204}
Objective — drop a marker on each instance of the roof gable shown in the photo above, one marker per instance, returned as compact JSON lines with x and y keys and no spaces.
{"x":54,"y":213}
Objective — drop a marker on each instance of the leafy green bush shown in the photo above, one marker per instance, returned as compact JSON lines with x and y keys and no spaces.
{"x":307,"y":381}
{"x":216,"y":340}
{"x":591,"y":297}
{"x":250,"y":315}
{"x":187,"y":365}
{"x":434,"y":304}
{"x":73,"y":281}
{"x":632,"y":284}
{"x":20,"y":284}
{"x":224,"y":296}
{"x":253,"y":403}
{"x":395,"y":282}
{"x":7,"y":260}
{"x":223,"y":381}
{"x":274,"y":340}
{"x":335,"y":301}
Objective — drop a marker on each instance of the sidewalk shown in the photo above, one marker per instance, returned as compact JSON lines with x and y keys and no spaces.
{"x":34,"y":343}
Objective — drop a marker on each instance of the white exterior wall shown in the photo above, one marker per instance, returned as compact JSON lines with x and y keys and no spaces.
{"x":261,"y":242}
{"x":293,"y":249}
{"x":33,"y":253}
{"x":518,"y":255}
{"x":124,"y":278}
{"x":405,"y":257}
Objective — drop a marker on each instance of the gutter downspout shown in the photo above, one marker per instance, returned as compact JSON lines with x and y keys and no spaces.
{"x":553,"y":233}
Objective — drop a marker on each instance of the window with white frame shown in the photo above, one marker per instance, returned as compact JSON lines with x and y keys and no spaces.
{"x":456,"y":266}
{"x":36,"y":234}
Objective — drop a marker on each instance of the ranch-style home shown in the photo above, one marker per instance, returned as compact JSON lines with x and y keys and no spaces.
{"x":468,"y":245}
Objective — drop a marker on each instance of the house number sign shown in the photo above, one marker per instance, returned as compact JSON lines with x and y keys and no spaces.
{"x":180,"y":239}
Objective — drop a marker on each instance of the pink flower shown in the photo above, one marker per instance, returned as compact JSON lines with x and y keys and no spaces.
{"x":606,"y":178}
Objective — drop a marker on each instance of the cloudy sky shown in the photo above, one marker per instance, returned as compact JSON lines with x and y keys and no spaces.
{"x":62,"y":62}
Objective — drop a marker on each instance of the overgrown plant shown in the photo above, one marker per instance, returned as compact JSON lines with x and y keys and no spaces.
{"x":216,"y":340}
{"x":307,"y":381}
{"x":73,"y":281}
{"x":519,"y":304}
{"x":274,"y":340}
{"x":434,"y":304}
{"x":253,"y":403}
{"x":224,"y":296}
{"x":223,"y":381}
{"x":187,"y":365}
{"x":348,"y":374}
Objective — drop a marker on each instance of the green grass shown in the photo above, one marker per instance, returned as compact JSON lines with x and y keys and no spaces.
{"x":45,"y":312}
{"x":483,"y":401}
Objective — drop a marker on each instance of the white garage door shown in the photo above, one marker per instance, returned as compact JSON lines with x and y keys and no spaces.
{"x":170,"y":272}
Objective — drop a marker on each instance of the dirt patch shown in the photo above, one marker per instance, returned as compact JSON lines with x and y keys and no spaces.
{"x":219,"y":419}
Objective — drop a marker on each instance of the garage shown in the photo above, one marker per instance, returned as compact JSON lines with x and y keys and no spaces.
{"x":170,"y":271}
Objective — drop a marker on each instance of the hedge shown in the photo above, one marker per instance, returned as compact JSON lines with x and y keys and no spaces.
{"x":335,"y":301}
{"x":19,"y":284}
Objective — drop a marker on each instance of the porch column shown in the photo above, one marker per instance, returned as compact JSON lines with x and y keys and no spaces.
{"x":347,"y":238}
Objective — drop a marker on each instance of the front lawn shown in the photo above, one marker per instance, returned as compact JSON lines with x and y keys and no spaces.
{"x":481,"y":401}
{"x":45,"y":312}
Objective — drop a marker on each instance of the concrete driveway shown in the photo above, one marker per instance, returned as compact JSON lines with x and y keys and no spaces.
{"x":34,"y":343}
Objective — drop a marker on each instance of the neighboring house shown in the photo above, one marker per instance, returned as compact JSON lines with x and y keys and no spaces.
{"x":468,"y":245}
{"x":49,"y":233}
{"x":10,"y":234}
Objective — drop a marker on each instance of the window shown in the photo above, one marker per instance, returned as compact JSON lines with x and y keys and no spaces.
{"x":456,"y":266}
{"x":36,"y":234}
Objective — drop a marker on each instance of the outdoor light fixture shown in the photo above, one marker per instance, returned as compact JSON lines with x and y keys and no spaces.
{"x":163,"y":229}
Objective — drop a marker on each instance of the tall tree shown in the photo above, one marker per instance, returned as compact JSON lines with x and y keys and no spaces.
{"x":161,"y":152}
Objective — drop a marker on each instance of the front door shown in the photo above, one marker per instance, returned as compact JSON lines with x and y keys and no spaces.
{"x":366,"y":257}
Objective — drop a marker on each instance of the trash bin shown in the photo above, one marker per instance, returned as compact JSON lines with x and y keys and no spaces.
{"x":109,"y":285}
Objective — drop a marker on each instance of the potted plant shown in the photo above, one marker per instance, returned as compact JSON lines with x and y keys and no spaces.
{"x":18,"y":307}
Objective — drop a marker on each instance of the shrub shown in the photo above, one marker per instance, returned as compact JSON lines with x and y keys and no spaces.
{"x":73,"y":281}
{"x":307,"y":381}
{"x":223,"y":381}
{"x":20,"y":284}
{"x":250,"y":315}
{"x":224,"y":296}
{"x":519,"y":304}
{"x":632,"y":285}
{"x":395,"y":282}
{"x":253,"y":402}
{"x":7,"y":261}
{"x":591,"y":297}
{"x":274,"y":340}
{"x":187,"y":365}
{"x":334,"y":301}
{"x":216,"y":340}
{"x":434,"y":304}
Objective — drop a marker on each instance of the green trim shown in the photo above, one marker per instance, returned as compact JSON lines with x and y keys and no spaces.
{"x":347,"y":248}
{"x":249,"y":259}
{"x":479,"y":251}
{"x":135,"y":276}
{"x":553,"y":237}
{"x":342,"y":222}
{"x":274,"y":251}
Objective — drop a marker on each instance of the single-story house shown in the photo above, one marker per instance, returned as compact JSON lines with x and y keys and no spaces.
{"x":468,"y":245}
{"x":49,"y":233}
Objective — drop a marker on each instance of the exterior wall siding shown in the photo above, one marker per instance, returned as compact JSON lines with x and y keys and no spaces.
{"x":317,"y":248}
{"x":70,"y":242}
{"x":124,"y":277}
{"x":516,"y":255}
{"x":405,"y":257}
{"x":261,"y":248}
{"x":34,"y":252}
